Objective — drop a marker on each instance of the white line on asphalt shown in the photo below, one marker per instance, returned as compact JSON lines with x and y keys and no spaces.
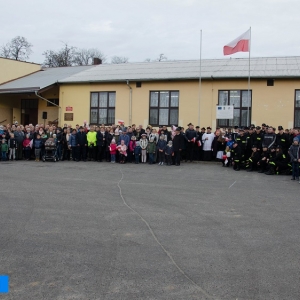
{"x":232,"y":185}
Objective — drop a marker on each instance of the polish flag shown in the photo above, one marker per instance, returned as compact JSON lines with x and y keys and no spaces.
{"x":240,"y":44}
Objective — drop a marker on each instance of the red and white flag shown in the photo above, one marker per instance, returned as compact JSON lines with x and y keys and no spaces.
{"x":240,"y":44}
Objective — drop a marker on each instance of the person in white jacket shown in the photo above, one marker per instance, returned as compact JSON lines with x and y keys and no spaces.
{"x":207,"y":139}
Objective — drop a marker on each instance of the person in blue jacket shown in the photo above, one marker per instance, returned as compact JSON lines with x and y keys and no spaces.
{"x":161,"y":146}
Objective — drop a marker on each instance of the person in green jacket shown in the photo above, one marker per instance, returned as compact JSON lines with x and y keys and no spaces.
{"x":151,"y":147}
{"x":4,"y":150}
{"x":92,"y":141}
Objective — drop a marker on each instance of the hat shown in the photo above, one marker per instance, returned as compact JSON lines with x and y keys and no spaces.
{"x":144,"y":134}
{"x":151,"y":139}
{"x":280,"y":127}
{"x":254,"y":146}
{"x":178,"y":129}
{"x":295,"y":139}
{"x":279,"y":147}
{"x":208,"y":127}
{"x":257,"y":127}
{"x":16,"y":122}
{"x":80,"y":127}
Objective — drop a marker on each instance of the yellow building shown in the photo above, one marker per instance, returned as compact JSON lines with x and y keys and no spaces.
{"x":161,"y":93}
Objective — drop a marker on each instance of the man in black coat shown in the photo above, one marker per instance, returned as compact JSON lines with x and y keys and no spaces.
{"x":178,"y":141}
{"x":190,"y":137}
{"x":82,"y":143}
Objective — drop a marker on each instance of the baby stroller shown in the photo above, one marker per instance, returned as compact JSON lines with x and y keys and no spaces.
{"x":50,"y":150}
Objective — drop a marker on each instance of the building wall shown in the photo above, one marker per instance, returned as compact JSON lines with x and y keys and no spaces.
{"x":273,"y":105}
{"x":15,"y":69}
{"x":10,"y":106}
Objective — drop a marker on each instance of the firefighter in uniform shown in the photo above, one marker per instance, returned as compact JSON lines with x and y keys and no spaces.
{"x":279,"y":163}
{"x":253,"y":159}
{"x":236,"y":156}
{"x":241,"y":139}
{"x":257,"y":137}
{"x":282,"y":140}
{"x":263,"y":162}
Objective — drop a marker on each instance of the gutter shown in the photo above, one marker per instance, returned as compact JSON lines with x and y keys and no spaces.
{"x":130,"y":102}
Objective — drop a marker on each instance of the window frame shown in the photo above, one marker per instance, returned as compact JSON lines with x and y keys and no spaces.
{"x":159,"y":107}
{"x":98,"y":107}
{"x":296,"y":108}
{"x":220,"y":122}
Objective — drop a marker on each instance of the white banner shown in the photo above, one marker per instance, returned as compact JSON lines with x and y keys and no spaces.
{"x":224,"y":111}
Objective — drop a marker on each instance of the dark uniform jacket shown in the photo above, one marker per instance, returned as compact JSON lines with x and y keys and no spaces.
{"x":178,"y":142}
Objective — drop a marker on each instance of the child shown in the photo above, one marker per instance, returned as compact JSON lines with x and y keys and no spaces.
{"x":38,"y":143}
{"x":4,"y":150}
{"x":151,"y":150}
{"x":161,"y":146}
{"x":132,"y":145}
{"x":144,"y":144}
{"x":12,"y":145}
{"x":137,"y":152}
{"x":122,"y":148}
{"x":27,"y":146}
{"x":295,"y":159}
{"x":113,"y":151}
{"x":227,"y":157}
{"x":169,"y":153}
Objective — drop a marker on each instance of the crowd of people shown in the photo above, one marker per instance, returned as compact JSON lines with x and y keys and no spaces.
{"x":254,"y":148}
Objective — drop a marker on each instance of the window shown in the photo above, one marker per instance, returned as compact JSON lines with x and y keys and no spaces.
{"x":270,"y":82}
{"x":297,"y":109}
{"x":242,"y":107}
{"x":103,"y":108}
{"x":164,"y":108}
{"x":55,"y":101}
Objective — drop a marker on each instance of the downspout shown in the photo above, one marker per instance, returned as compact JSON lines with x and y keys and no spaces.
{"x":130,"y":103}
{"x":59,"y":111}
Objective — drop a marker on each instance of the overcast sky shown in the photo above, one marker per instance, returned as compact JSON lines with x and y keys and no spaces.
{"x":140,"y":29}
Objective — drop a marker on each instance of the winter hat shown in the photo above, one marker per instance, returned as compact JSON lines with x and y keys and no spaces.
{"x":170,"y":143}
{"x":151,"y":139}
{"x":295,"y":139}
{"x":133,"y":138}
{"x":137,"y":143}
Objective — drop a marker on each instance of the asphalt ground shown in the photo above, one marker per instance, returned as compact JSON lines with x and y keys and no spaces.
{"x":109,"y":231}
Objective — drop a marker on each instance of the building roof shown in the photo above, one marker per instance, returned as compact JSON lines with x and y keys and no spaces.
{"x":231,"y":68}
{"x":21,"y":61}
{"x":41,"y":79}
{"x":265,"y":67}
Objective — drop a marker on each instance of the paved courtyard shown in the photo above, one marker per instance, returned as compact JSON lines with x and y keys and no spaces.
{"x":108,"y":231}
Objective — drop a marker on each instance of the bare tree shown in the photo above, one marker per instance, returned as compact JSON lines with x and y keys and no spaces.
{"x":161,"y":57}
{"x":147,"y":60}
{"x":18,"y":48}
{"x":119,"y":60}
{"x":61,"y":58}
{"x":84,"y":57}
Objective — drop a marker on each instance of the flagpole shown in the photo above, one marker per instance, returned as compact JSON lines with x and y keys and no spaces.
{"x":248,"y":124}
{"x":200,"y":78}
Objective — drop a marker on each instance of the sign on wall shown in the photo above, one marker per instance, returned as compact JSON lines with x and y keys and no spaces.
{"x":224,"y":111}
{"x":69,"y":108}
{"x":68,"y":117}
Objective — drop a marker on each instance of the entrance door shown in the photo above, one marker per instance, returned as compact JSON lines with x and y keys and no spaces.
{"x":29,"y":109}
